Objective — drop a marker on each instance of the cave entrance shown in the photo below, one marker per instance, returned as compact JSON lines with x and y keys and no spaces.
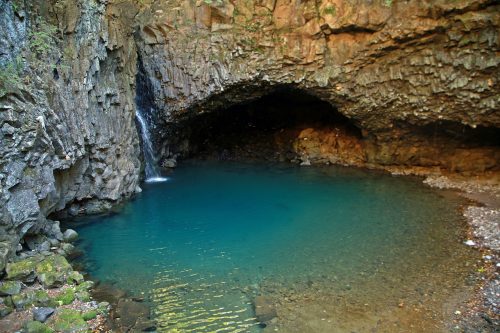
{"x":273,"y":127}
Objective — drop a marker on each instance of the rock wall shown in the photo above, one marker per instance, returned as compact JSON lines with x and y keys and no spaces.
{"x":68,"y":136}
{"x":392,"y":67}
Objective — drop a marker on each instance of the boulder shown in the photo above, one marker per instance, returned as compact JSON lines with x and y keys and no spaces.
{"x":4,"y":253}
{"x":23,"y":300}
{"x":8,"y":288}
{"x":53,"y":271}
{"x":23,"y":270}
{"x":70,"y":235}
{"x":4,"y":310}
{"x":42,"y":314}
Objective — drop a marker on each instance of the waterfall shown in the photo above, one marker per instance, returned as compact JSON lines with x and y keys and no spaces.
{"x":152,"y":172}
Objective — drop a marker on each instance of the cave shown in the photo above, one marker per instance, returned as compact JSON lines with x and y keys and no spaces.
{"x":263,"y":128}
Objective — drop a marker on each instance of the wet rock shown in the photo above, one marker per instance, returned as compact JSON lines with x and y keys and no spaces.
{"x":42,"y":314}
{"x":109,"y":293}
{"x":264,"y":309}
{"x":67,"y":248}
{"x":70,"y":235}
{"x":169,"y":163}
{"x":131,"y":313}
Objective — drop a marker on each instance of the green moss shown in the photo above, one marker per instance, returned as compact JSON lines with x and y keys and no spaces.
{"x":42,"y":298}
{"x":10,"y":77}
{"x":75,"y":277}
{"x":43,"y":39}
{"x":22,"y":269}
{"x":89,"y":315}
{"x":5,"y":310}
{"x":84,"y":286}
{"x":53,"y":270}
{"x":69,"y":321}
{"x":37,"y":327}
{"x":330,"y":10}
{"x":388,"y":3}
{"x":24,"y":300}
{"x":67,"y":296}
{"x":10,"y":288}
{"x":83,"y":296}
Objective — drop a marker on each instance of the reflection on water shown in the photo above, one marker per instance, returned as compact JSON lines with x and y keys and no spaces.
{"x":347,"y":241}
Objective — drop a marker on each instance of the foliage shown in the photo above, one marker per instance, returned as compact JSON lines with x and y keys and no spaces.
{"x":388,"y":3}
{"x":10,"y":76}
{"x":209,"y":2}
{"x":43,"y":40}
{"x":330,"y":10}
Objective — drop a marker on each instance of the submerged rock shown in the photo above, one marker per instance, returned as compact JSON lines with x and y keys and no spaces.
{"x":264,"y":309}
{"x":133,"y":314}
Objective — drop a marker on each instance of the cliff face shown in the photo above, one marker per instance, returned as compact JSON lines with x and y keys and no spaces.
{"x":67,"y":134}
{"x":397,"y":69}
{"x":393,"y":68}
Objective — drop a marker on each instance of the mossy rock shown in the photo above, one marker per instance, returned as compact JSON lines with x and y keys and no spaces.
{"x":67,"y":296}
{"x":84,"y":286}
{"x":69,"y":321}
{"x":10,"y":288}
{"x":23,"y":270}
{"x":37,"y":327}
{"x":42,"y":299}
{"x":53,"y":271}
{"x":103,"y":308}
{"x":4,"y":310}
{"x":83,"y":296}
{"x":75,"y":277}
{"x":23,"y":300}
{"x":89,"y":315}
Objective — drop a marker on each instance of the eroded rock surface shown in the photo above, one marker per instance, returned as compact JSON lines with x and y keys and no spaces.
{"x":67,"y":135}
{"x":400,"y":70}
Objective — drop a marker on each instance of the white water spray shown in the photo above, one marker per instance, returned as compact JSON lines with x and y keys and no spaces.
{"x":152,"y":173}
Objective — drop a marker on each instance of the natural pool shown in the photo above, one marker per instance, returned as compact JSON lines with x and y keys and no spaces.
{"x":336,"y":249}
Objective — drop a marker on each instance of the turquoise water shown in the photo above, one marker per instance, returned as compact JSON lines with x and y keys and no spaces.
{"x":201,"y":245}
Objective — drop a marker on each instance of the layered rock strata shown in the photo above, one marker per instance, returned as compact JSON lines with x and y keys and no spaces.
{"x":404,"y":72}
{"x":68,"y":137}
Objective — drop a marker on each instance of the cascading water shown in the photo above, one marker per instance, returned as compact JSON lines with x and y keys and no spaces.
{"x":144,"y":103}
{"x":152,"y":172}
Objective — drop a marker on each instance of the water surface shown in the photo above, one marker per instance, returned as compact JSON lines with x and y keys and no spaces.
{"x":329,"y":244}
